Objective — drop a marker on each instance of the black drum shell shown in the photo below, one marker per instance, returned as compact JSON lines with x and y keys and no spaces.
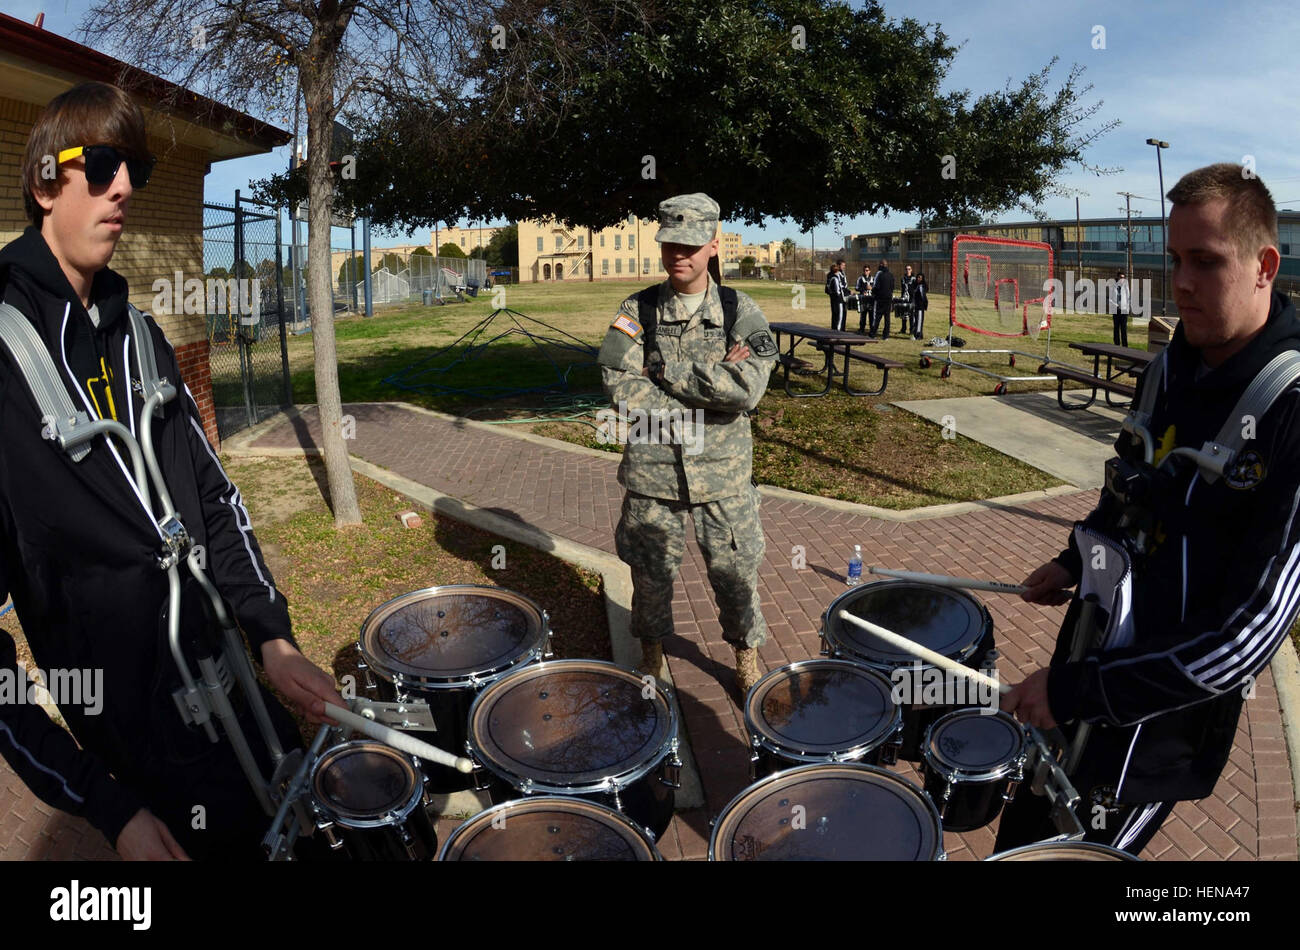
{"x":969,"y":805}
{"x":769,"y":754}
{"x":648,"y":799}
{"x":406,"y":833}
{"x":975,"y":792}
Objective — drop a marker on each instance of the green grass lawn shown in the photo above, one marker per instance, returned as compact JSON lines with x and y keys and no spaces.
{"x":856,"y":449}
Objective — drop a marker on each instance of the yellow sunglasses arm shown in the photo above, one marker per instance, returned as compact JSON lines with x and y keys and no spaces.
{"x":68,"y":154}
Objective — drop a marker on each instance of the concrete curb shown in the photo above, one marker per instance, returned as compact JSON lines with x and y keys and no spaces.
{"x":616,"y":579}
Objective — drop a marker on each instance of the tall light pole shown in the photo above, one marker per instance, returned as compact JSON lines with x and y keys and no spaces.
{"x":1164,"y":226}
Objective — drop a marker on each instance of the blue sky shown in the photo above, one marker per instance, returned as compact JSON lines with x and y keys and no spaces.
{"x":1217,"y":86}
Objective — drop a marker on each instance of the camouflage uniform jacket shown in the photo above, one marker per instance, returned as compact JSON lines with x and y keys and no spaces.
{"x":691,"y":348}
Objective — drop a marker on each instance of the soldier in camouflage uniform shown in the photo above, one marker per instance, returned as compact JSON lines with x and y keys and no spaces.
{"x":690,"y":366}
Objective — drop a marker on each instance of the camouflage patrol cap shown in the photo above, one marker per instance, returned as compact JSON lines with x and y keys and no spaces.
{"x":688,"y":219}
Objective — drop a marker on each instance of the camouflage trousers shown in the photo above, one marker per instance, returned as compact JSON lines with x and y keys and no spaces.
{"x":651,"y":539}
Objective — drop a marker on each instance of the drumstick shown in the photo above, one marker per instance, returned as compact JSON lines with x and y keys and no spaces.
{"x":943,"y":580}
{"x":398,"y":740}
{"x":925,"y":653}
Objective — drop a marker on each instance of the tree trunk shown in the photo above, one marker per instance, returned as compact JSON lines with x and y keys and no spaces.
{"x":318,"y":92}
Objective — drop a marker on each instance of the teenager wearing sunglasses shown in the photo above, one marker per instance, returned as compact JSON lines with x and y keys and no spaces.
{"x":78,"y":549}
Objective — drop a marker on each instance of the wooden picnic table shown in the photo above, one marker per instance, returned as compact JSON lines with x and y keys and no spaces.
{"x":830,"y":343}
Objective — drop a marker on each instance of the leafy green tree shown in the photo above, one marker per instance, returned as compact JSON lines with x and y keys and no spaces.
{"x":503,"y":249}
{"x":450,"y":250}
{"x":788,"y":247}
{"x":352,"y":271}
{"x":597,"y":150}
{"x":747,"y":266}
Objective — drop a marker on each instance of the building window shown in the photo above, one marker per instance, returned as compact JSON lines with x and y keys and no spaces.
{"x":618,"y":242}
{"x":602,"y":240}
{"x":559,"y":242}
{"x":604,"y":266}
{"x":586,"y":266}
{"x":631,"y":265}
{"x":581,"y":240}
{"x":661,"y":265}
{"x":647,"y":266}
{"x":539,"y":245}
{"x":631,"y":242}
{"x":618,"y":265}
{"x":546,"y":272}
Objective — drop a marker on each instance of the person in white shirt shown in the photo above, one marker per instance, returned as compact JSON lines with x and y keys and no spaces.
{"x":1117,"y":302}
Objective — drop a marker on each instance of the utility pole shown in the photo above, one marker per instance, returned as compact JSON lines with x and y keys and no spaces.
{"x":1078,"y":238}
{"x":1128,"y":228}
{"x":1164,"y":226}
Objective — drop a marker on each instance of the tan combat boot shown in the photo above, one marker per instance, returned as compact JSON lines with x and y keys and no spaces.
{"x":652,"y":657}
{"x":747,"y":669}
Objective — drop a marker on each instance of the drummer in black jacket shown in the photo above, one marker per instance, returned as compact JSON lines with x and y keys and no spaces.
{"x":920,"y":304}
{"x":79,"y":548}
{"x":1216,"y":591}
{"x":865,"y":301}
{"x":882,"y":290}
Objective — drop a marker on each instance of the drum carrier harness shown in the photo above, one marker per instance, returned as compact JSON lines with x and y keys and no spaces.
{"x":217,"y":653}
{"x":1131,"y":500}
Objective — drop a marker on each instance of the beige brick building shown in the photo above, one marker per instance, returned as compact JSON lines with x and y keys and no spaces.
{"x":467,"y":239}
{"x":164,"y":231}
{"x":627,"y":251}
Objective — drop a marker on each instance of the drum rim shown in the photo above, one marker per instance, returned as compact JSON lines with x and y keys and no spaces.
{"x":1067,"y":845}
{"x":760,"y":739}
{"x":919,"y":794}
{"x":532,"y":803}
{"x":949,"y":772}
{"x":838,"y":648}
{"x":387,"y":818}
{"x":426,"y":680}
{"x":616,"y":782}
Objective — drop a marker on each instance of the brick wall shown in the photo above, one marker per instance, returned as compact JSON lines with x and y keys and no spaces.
{"x":163,"y":234}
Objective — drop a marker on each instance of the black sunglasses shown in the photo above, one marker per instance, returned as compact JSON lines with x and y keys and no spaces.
{"x":103,"y":161}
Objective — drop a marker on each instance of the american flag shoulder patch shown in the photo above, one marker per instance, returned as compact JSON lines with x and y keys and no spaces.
{"x":627,"y":325}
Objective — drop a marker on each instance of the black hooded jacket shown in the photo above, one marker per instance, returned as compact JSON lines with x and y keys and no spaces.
{"x":78,"y":550}
{"x":1217,"y":594}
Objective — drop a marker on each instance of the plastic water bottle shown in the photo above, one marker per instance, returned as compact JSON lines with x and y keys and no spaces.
{"x":855,"y":567}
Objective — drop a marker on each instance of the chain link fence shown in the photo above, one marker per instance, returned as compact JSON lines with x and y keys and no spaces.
{"x":246,"y":310}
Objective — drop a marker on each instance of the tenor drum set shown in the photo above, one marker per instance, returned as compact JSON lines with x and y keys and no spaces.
{"x":580,"y":759}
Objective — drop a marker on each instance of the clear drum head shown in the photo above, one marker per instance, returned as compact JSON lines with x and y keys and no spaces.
{"x":571,"y":724}
{"x":363,"y":780}
{"x":947,"y":620}
{"x":548,"y":828}
{"x":448,"y":635}
{"x":1064,"y":851}
{"x":975,"y":743}
{"x":821,"y":707}
{"x":829,"y":813}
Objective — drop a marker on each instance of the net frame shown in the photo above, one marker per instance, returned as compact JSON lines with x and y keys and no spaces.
{"x":962,"y":240}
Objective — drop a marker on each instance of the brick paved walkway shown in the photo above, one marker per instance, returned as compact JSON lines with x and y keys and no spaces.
{"x":575,"y":496}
